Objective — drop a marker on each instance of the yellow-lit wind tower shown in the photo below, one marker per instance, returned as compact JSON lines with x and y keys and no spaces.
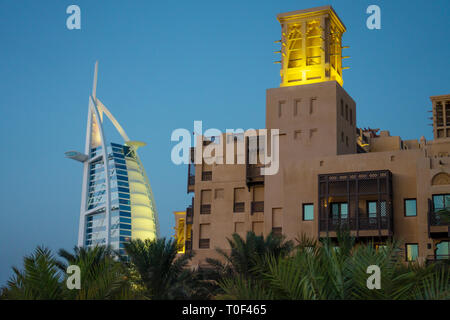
{"x":311,"y":46}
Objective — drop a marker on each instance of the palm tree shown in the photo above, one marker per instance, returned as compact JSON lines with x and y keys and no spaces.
{"x":248,"y":253}
{"x":103,"y":276}
{"x":162,"y":273}
{"x":39,"y":279}
{"x":326,"y":271}
{"x":242,"y":268}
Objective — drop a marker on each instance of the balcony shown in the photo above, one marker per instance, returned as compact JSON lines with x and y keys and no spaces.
{"x":205,"y":209}
{"x":381,"y":222}
{"x":257,"y":206}
{"x":191,"y":183}
{"x":440,"y":258}
{"x":191,"y":173}
{"x":253,"y":175}
{"x":189,"y":215}
{"x":438,"y":222}
{"x":188,"y":246}
{"x":360,"y":202}
{"x":239,"y":207}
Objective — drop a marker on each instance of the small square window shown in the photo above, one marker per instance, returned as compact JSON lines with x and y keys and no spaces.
{"x":308,"y":212}
{"x":412,"y":251}
{"x":410,"y":208}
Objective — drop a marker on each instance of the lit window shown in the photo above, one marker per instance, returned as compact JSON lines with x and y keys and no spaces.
{"x":372,"y":208}
{"x":441,"y":201}
{"x":339,"y":210}
{"x":412,"y":252}
{"x":410,"y":207}
{"x":443,"y":250}
{"x":308,"y":212}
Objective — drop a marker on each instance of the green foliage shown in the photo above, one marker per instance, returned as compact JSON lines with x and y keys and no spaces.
{"x":254,"y":268}
{"x":317,"y":271}
{"x":39,"y":279}
{"x":444,"y":215}
{"x":162,"y":274}
{"x":102,"y":275}
{"x":246,"y":254}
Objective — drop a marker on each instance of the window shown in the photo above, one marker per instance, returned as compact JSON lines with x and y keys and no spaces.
{"x":308,"y":212}
{"x":258,"y":228}
{"x":441,"y":201}
{"x":239,"y":227}
{"x":125,"y":233}
{"x":351,"y":117}
{"x":372,"y":208}
{"x":280,"y":108}
{"x":412,"y":251}
{"x":342,"y":108}
{"x":410,"y":208}
{"x":296,"y":107}
{"x":313,"y":104}
{"x":203,"y":244}
{"x":277,"y":231}
{"x":346,"y":112}
{"x":346,"y":141}
{"x":205,"y":232}
{"x":443,"y":250}
{"x":339,"y":210}
{"x":239,"y":200}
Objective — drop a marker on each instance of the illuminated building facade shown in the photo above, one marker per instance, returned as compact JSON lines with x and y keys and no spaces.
{"x":311,"y":46}
{"x":117,"y":203}
{"x":332,"y":174}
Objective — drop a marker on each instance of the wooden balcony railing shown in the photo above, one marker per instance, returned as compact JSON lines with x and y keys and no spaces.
{"x":362,"y":223}
{"x":439,"y":258}
{"x":438,"y":219}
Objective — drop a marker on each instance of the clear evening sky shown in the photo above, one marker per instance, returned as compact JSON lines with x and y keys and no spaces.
{"x":164,"y":64}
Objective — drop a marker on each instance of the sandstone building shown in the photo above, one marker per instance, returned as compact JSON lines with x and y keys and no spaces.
{"x":331,"y":173}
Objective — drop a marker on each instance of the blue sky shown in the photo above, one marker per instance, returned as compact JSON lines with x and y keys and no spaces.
{"x":165,"y":64}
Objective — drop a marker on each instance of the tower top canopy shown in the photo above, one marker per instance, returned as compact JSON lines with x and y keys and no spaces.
{"x":311,"y":46}
{"x":308,"y":13}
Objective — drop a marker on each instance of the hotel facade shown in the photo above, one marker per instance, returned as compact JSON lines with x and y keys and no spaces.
{"x":117,"y":203}
{"x":331,"y":174}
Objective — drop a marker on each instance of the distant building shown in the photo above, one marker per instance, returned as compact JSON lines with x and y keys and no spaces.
{"x":117,"y":203}
{"x":331,"y":173}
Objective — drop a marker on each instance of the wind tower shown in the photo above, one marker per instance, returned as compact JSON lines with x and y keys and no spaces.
{"x":311,"y":46}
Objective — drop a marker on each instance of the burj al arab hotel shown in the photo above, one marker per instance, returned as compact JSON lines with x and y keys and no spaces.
{"x":117,"y":203}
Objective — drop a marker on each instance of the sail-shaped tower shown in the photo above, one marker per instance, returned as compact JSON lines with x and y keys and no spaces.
{"x":117,"y":203}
